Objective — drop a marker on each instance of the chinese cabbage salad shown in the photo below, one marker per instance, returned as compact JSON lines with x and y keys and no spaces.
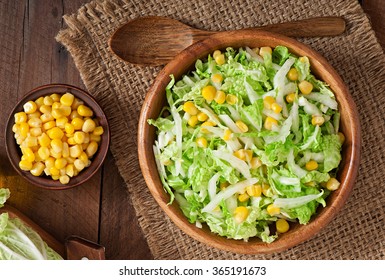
{"x":249,"y":142}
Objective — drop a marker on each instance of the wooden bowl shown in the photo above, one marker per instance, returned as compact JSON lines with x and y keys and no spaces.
{"x":14,"y":152}
{"x":156,"y":99}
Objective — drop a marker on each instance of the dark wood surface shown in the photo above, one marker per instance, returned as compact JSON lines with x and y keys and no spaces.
{"x":100,"y":210}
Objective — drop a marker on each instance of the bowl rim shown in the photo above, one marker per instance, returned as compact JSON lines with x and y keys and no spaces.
{"x":200,"y":50}
{"x":12,"y":148}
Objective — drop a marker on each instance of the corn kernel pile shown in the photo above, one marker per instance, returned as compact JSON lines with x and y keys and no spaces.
{"x":57,"y":136}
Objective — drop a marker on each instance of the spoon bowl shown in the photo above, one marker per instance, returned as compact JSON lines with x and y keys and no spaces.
{"x":155,"y":40}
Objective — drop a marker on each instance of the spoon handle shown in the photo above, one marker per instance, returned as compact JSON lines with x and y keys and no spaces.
{"x":312,"y":27}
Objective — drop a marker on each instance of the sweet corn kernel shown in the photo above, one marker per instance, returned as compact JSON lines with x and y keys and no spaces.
{"x":48,"y":125}
{"x":37,"y":169}
{"x":220,"y":97}
{"x":305,"y":87}
{"x":201,"y":142}
{"x":56,"y":105}
{"x":292,"y":75}
{"x":60,"y":163}
{"x":243,"y":197}
{"x":25,"y":165}
{"x":311,"y":165}
{"x":69,"y":128}
{"x":71,"y":141}
{"x":332,"y":184}
{"x":342,"y":137}
{"x":79,"y":165}
{"x":240,"y":154}
{"x":74,"y":114}
{"x":276,"y":108}
{"x":35,"y":122}
{"x":55,"y":97}
{"x":55,"y":133}
{"x":88,"y":125}
{"x":255,"y":50}
{"x":66,"y":110}
{"x":28,"y":154}
{"x":35,"y":131}
{"x":217,"y":78}
{"x":240,"y":214}
{"x":220,"y":59}
{"x":77,"y":123}
{"x":91,"y":148}
{"x":34,"y":115}
{"x":317,"y":120}
{"x":242,"y":126}
{"x":30,"y":107}
{"x":75,"y":151}
{"x":76,"y":103}
{"x":282,"y":226}
{"x":190,"y":108}
{"x":268,"y":101}
{"x":24,"y":129}
{"x":20,"y":117}
{"x":70,"y":170}
{"x":270,"y":123}
{"x":216,"y":53}
{"x":39,"y":101}
{"x":31,"y":141}
{"x":99,"y":129}
{"x":208,"y":93}
{"x":310,"y":184}
{"x":231,"y":99}
{"x":192,"y":121}
{"x":248,"y":155}
{"x":54,"y":154}
{"x":44,"y":140}
{"x":290,"y":97}
{"x":79,"y":137}
{"x":57,"y":145}
{"x":49,"y":162}
{"x":201,"y":117}
{"x":67,"y":99}
{"x":54,"y":171}
{"x":254,"y":190}
{"x":48,"y":101}
{"x":43,"y":153}
{"x":273,"y":210}
{"x":95,"y":138}
{"x":265,"y":50}
{"x":227,"y":135}
{"x":61,"y":122}
{"x":266,"y":189}
{"x":46,"y":117}
{"x":57,"y":113}
{"x":255,"y":163}
{"x":84,"y":111}
{"x":64,"y":179}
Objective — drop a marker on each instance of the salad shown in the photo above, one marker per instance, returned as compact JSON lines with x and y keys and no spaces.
{"x":249,"y":142}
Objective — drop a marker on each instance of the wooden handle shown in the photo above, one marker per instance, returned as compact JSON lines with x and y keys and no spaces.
{"x":312,"y":27}
{"x":78,"y":249}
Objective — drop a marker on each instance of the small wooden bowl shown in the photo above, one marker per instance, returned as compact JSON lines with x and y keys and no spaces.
{"x":14,"y":152}
{"x":156,"y":99}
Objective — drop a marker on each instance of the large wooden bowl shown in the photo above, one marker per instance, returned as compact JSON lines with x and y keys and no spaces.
{"x":156,"y":99}
{"x":14,"y":152}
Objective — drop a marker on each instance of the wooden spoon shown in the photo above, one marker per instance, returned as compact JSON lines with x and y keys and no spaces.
{"x":156,"y":40}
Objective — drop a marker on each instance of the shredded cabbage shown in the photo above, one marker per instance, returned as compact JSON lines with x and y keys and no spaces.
{"x":197,"y":174}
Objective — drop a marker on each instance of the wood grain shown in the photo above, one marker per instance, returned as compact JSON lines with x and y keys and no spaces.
{"x":31,"y":57}
{"x":155,"y":40}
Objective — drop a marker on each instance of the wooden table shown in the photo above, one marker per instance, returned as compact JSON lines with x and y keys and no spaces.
{"x":101,"y":209}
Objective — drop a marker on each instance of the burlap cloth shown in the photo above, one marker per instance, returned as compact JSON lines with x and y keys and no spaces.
{"x":358,"y":231}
